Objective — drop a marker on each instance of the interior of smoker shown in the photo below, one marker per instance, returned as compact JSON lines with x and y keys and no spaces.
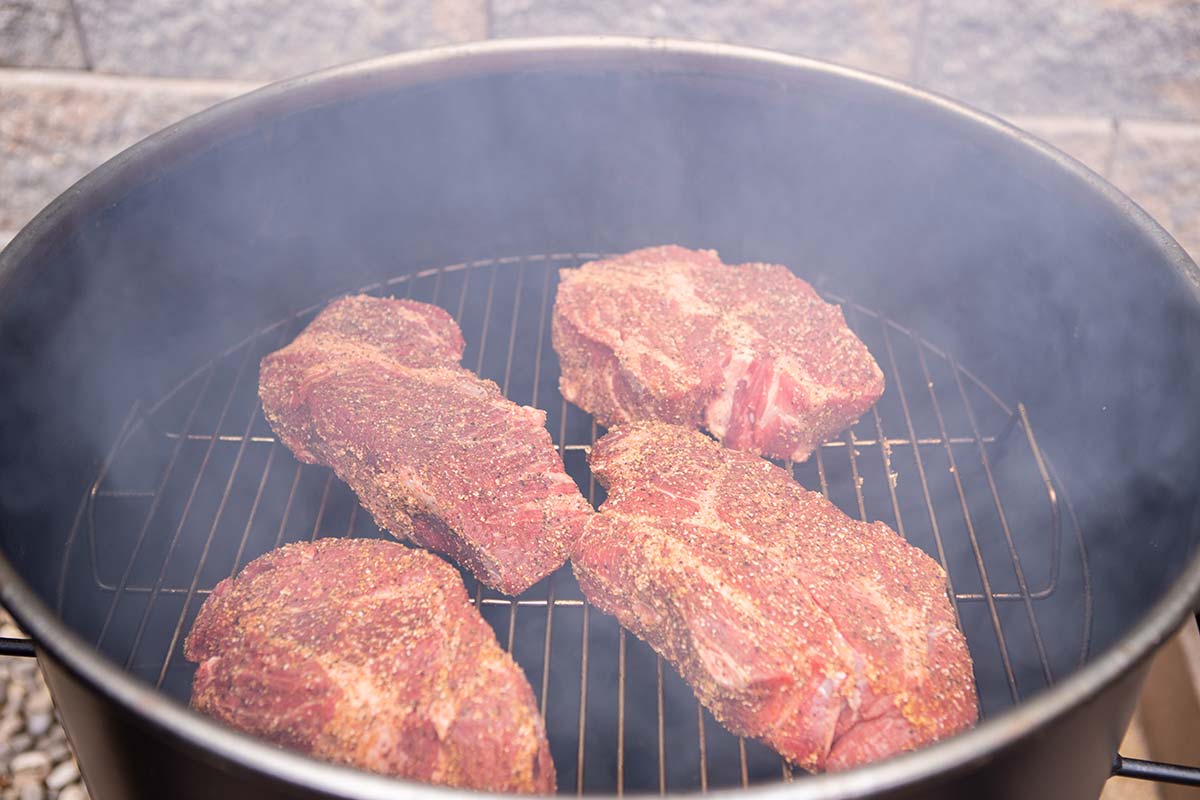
{"x":1032,"y":438}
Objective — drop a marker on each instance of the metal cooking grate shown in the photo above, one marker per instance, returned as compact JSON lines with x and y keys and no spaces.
{"x":196,"y":486}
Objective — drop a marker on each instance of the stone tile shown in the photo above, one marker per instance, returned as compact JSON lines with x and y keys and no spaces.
{"x":39,"y":33}
{"x":265,"y":39}
{"x":875,"y":35}
{"x":1158,"y":165}
{"x":55,"y":127}
{"x":1101,"y":57}
{"x":1086,"y":139}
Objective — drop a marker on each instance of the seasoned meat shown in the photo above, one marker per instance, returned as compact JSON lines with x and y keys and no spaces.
{"x":372,"y":388}
{"x":831,"y":640}
{"x":749,"y":352}
{"x":368,"y":653}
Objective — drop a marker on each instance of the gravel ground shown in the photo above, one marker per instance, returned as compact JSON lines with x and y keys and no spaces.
{"x":36,"y":762}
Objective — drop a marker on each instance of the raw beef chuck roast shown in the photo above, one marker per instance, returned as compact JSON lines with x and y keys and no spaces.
{"x":369,"y":653}
{"x":831,"y":640}
{"x":373,"y":389}
{"x":749,"y":352}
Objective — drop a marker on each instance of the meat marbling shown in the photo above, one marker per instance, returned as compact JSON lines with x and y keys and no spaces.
{"x":373,"y":389}
{"x":749,"y":352}
{"x":830,"y":639}
{"x":369,"y":653}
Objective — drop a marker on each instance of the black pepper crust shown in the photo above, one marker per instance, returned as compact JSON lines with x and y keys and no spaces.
{"x":369,"y":653}
{"x":750,"y":352}
{"x":372,"y":388}
{"x":832,"y":640}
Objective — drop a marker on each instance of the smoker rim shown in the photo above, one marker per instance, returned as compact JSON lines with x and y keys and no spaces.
{"x":660,"y":56}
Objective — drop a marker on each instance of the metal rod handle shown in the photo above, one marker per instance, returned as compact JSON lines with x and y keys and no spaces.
{"x":1155,"y":771}
{"x":10,"y":646}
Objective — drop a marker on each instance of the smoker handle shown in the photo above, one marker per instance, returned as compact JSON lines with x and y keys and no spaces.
{"x":1155,"y":771}
{"x":10,"y":646}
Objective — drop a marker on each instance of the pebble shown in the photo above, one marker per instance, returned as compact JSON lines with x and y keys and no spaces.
{"x":39,"y":702}
{"x":73,"y":792}
{"x":9,"y":726}
{"x":38,"y":723}
{"x":58,"y":751}
{"x":32,"y":761}
{"x":20,"y":743}
{"x":31,"y":790}
{"x":24,"y":668}
{"x":65,"y":773}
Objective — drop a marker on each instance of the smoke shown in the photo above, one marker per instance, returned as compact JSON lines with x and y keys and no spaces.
{"x":1009,"y":265}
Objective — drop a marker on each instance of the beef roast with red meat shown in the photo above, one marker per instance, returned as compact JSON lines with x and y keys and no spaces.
{"x":373,"y":389}
{"x":749,"y":352}
{"x":368,"y":653}
{"x":832,"y":640}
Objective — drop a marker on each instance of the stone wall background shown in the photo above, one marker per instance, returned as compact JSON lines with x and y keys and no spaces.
{"x":1115,"y":83}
